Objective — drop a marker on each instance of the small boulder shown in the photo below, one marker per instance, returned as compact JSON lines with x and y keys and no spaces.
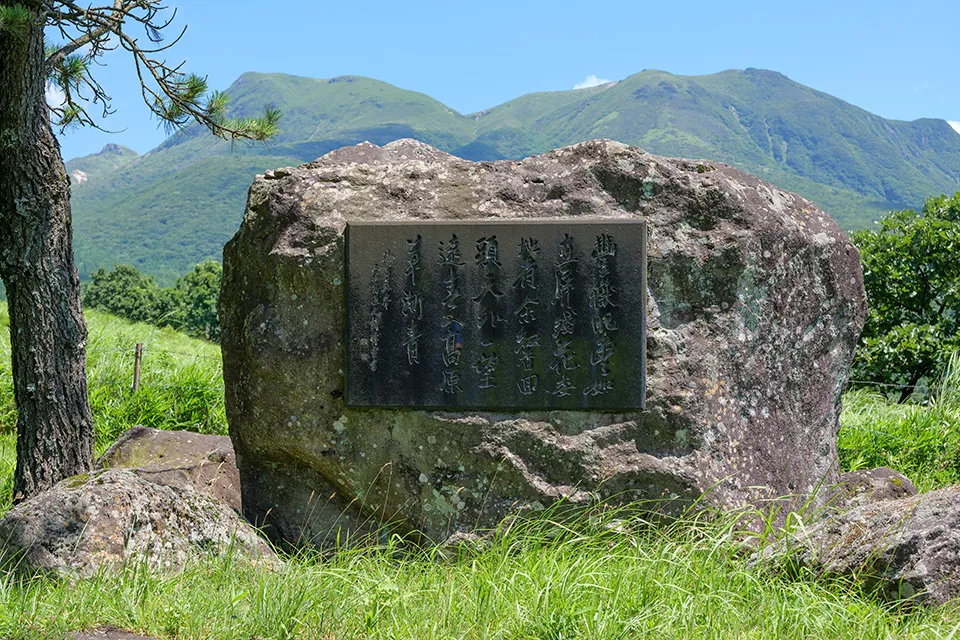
{"x":109,"y":517}
{"x":179,"y":459}
{"x":866,"y":486}
{"x":905,"y":549}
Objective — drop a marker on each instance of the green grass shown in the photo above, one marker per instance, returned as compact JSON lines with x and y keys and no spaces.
{"x":181,"y":385}
{"x":921,"y":441}
{"x":604,"y":576}
{"x":539,"y":580}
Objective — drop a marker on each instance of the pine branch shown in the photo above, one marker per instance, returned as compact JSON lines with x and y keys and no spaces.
{"x":15,"y":20}
{"x":175,"y":97}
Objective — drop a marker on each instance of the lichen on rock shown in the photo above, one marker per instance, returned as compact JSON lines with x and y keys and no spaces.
{"x":904,"y":548}
{"x":182,"y":459}
{"x":114,"y":517}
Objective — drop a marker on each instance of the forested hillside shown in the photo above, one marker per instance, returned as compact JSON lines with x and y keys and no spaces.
{"x":178,"y":204}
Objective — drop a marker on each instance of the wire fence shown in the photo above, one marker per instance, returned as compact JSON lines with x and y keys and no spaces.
{"x":146,"y":349}
{"x":173,"y":388}
{"x":923,"y":389}
{"x":946,"y":388}
{"x":141,"y":372}
{"x":119,"y":383}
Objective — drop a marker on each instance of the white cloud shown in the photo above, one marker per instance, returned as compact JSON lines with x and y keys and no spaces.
{"x":55,"y":96}
{"x":591,"y":81}
{"x":954,"y":124}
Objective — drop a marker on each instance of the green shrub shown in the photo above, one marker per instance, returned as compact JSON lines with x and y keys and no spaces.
{"x":125,"y":292}
{"x":189,"y":306}
{"x":911,"y":272}
{"x":194,"y":299}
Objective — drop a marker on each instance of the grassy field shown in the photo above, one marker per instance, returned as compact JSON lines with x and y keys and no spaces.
{"x":539,"y":581}
{"x":536,"y":579}
{"x":181,"y":385}
{"x":922,"y":441}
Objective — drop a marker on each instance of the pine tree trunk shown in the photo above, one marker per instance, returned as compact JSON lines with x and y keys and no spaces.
{"x":47,"y":330}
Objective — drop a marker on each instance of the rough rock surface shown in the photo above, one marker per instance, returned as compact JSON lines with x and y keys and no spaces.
{"x":901,"y":549}
{"x":866,"y":486}
{"x":179,"y":459}
{"x":756,"y":303}
{"x":102,"y":519}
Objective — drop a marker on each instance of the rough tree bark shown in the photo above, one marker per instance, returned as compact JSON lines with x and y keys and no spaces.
{"x":47,"y":331}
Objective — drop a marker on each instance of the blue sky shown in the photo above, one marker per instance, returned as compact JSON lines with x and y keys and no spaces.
{"x":897,"y":59}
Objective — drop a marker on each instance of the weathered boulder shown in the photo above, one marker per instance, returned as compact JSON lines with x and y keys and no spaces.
{"x":181,"y":459}
{"x":103,"y":519}
{"x":755,"y":305}
{"x":903,"y":549}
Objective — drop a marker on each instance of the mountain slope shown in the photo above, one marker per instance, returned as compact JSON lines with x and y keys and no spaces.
{"x":176,"y":205}
{"x":179,"y":203}
{"x":763,"y":122}
{"x":97,"y":165}
{"x":320,"y":113}
{"x":166,"y":225}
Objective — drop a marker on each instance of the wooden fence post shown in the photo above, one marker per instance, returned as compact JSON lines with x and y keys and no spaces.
{"x":136,"y":367}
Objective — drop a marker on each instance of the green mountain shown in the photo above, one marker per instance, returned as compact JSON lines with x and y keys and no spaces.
{"x":850,"y":161}
{"x":177,"y":205}
{"x":97,"y":165}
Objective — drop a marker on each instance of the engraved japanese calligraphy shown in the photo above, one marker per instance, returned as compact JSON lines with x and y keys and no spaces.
{"x":489,"y":319}
{"x":528,"y":338}
{"x":563,"y":361}
{"x":379,"y":303}
{"x":412,"y":301}
{"x":602,"y":302}
{"x":493,"y":315}
{"x":451,"y":273}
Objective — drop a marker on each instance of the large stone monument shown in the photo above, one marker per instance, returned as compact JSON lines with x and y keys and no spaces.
{"x":414,"y":339}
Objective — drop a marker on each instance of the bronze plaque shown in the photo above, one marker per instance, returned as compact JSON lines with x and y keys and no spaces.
{"x":519,"y":315}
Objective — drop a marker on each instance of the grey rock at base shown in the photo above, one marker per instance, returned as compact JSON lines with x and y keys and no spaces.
{"x":866,"y":486}
{"x":109,"y":517}
{"x":179,"y":459}
{"x":904,"y":549}
{"x":756,"y":304}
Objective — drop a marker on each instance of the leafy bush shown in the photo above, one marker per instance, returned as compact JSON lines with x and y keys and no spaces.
{"x":125,"y":292}
{"x":911,"y":270}
{"x":194,"y":299}
{"x":189,"y":306}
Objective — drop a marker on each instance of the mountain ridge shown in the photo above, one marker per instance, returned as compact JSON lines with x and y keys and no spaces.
{"x":95,"y":165}
{"x":178,"y":203}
